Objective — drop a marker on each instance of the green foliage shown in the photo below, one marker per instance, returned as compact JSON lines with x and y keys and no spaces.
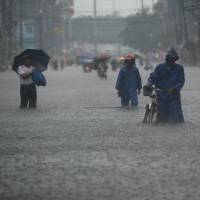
{"x":142,"y":32}
{"x":108,"y":29}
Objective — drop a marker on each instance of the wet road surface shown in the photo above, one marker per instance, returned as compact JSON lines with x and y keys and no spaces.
{"x":80,"y":145}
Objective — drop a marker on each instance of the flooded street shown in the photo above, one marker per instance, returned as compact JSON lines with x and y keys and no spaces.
{"x":80,"y":145}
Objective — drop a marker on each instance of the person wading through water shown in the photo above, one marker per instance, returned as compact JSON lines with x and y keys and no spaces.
{"x":28,"y":90}
{"x":129,"y":82}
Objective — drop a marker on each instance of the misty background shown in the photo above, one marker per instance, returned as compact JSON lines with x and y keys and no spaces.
{"x":65,"y":26}
{"x":79,"y":144}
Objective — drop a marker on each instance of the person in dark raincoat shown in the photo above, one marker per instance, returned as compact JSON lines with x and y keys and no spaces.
{"x":129,"y":82}
{"x":169,"y":78}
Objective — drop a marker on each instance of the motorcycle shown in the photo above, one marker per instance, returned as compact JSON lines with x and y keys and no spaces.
{"x":102,"y":70}
{"x":87,"y":67}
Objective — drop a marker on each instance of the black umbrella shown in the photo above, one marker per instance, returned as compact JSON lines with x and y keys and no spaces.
{"x":39,"y":59}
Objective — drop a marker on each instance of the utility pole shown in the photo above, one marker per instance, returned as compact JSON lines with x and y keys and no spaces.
{"x":114,"y":6}
{"x":41,"y":25}
{"x":10,"y":30}
{"x":69,"y":32}
{"x":7,"y":32}
{"x":142,"y":5}
{"x":1,"y":32}
{"x":182,"y":5}
{"x":95,"y":25}
{"x":3,"y":17}
{"x":68,"y":19}
{"x":153,"y":3}
{"x":21,"y":31}
{"x":41,"y":29}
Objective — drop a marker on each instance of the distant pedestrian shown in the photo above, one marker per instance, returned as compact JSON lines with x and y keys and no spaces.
{"x":55,"y":64}
{"x":114,"y":65}
{"x":28,"y":91}
{"x":129,"y":82}
{"x":62,"y":64}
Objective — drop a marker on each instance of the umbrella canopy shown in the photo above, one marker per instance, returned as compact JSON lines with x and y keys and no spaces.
{"x":120,"y":59}
{"x":104,"y":56}
{"x":126,"y":50}
{"x":39,"y":59}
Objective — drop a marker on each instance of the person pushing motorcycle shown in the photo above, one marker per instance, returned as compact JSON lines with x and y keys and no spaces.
{"x":169,"y":79}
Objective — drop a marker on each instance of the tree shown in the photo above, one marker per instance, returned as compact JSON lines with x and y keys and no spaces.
{"x":142,"y":32}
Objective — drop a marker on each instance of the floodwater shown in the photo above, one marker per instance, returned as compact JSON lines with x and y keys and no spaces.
{"x":80,"y":145}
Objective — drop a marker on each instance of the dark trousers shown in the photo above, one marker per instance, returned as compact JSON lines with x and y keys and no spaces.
{"x":131,"y":98}
{"x":28,"y":95}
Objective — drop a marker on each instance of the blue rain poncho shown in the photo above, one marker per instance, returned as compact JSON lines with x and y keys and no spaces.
{"x":169,"y":78}
{"x":128,"y":83}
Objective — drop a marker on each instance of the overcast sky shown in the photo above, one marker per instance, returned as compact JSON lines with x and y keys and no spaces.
{"x":125,"y":7}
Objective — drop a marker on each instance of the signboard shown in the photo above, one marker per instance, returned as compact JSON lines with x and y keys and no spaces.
{"x":29,"y":34}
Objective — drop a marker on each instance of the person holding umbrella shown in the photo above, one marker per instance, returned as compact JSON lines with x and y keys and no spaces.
{"x":28,"y":92}
{"x":29,"y":66}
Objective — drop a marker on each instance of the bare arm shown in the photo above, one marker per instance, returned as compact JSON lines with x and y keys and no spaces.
{"x":26,"y":75}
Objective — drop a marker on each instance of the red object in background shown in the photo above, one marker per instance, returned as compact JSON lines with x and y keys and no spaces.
{"x":87,"y":67}
{"x":130,"y":56}
{"x":104,"y":56}
{"x":69,"y":11}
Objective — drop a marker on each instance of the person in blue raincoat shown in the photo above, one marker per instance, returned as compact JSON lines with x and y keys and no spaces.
{"x":169,"y":78}
{"x":129,"y":82}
